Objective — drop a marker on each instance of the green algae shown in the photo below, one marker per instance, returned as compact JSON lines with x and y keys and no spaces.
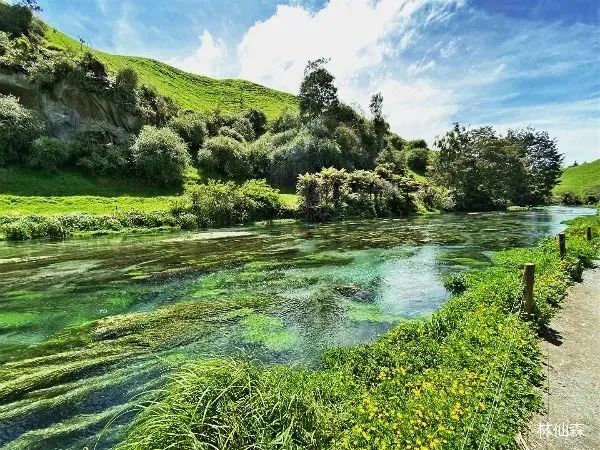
{"x":360,"y":312}
{"x":11,"y":320}
{"x":268,"y":331}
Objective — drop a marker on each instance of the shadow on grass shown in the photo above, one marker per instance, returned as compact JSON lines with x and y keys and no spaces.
{"x":15,"y":181}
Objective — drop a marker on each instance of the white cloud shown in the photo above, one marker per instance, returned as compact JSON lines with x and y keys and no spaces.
{"x":360,"y":37}
{"x":417,"y":109}
{"x":420,"y":67}
{"x":355,"y":34}
{"x":208,"y":59}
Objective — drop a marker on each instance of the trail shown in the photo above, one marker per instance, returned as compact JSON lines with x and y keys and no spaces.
{"x":571,"y":353}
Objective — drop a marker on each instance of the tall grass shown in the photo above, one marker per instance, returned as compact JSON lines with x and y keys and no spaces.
{"x":467,"y":376}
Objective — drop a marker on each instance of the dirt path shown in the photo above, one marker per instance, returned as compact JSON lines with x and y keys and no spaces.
{"x":571,"y":417}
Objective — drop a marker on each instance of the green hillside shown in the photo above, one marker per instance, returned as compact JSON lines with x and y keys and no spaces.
{"x":581,"y":180}
{"x":190,"y":91}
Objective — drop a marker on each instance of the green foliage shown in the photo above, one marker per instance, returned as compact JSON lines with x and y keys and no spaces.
{"x":18,"y":20}
{"x":318,"y":93}
{"x":127,"y":78}
{"x":435,"y":198}
{"x":490,"y":171}
{"x":243,"y":405}
{"x":417,"y":159}
{"x":48,"y":153}
{"x":284,"y":122}
{"x":224,"y":155}
{"x":304,"y":153}
{"x":333,"y":193}
{"x":258,"y":120}
{"x":217,"y":204}
{"x":19,"y":127}
{"x":160,"y":156}
{"x":191,"y":127}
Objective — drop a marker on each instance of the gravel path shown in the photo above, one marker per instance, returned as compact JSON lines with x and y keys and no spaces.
{"x":571,"y":349}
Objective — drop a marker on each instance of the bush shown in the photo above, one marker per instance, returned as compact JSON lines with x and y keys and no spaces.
{"x":335,"y":193}
{"x":48,"y":153}
{"x":160,"y":156}
{"x":127,"y":78}
{"x":191,"y":127}
{"x":220,"y":204}
{"x":435,"y":198}
{"x":417,"y":159}
{"x":224,"y":156}
{"x":258,"y":120}
{"x":284,"y":122}
{"x":304,"y":153}
{"x":19,"y":127}
{"x":35,"y":227}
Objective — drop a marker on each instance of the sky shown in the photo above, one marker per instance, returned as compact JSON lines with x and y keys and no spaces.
{"x":507,"y":63}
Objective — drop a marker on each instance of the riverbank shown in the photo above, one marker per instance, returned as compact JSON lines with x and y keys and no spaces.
{"x":464,"y":377}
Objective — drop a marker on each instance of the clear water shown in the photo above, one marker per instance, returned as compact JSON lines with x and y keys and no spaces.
{"x":88,"y":325}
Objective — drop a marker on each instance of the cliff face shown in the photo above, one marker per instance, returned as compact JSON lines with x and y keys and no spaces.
{"x":65,"y":107}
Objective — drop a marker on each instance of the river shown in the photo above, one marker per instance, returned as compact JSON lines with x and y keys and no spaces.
{"x":87,"y":326}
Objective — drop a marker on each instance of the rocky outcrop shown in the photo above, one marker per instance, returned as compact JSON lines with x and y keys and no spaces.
{"x":66,"y":107}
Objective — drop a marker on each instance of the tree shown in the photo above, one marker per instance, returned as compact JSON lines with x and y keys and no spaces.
{"x":380,"y":126}
{"x":489,"y":171}
{"x":19,"y":127}
{"x":160,"y":156}
{"x":318,"y":93}
{"x":542,"y":162}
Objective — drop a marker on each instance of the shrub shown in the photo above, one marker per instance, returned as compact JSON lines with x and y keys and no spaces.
{"x":127,"y":78}
{"x":35,"y":227}
{"x":258,"y":120}
{"x":456,"y":283}
{"x":220,"y":204}
{"x":337,"y":193}
{"x":191,"y":127}
{"x":231,"y":133}
{"x":93,"y":68}
{"x":225,"y":156}
{"x":417,"y":159}
{"x":48,"y":153}
{"x":160,"y":156}
{"x":435,"y":198}
{"x":19,"y":127}
{"x":284,"y":122}
{"x":304,"y":153}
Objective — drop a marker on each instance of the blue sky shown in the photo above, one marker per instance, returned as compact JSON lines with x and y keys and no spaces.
{"x":505,"y":62}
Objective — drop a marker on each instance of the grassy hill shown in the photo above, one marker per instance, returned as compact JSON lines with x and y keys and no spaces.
{"x":189,"y":91}
{"x":581,"y":180}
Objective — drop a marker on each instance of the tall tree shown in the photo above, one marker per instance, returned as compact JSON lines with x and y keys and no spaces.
{"x":380,"y":126}
{"x":318,"y":93}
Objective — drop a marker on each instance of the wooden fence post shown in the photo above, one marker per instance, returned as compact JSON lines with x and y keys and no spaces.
{"x":588,"y":233}
{"x":562,"y":247}
{"x":528,"y":280}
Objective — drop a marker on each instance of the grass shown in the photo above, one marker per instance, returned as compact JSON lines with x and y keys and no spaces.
{"x":190,"y":91}
{"x":25,"y":192}
{"x":581,"y":180}
{"x":465,"y":377}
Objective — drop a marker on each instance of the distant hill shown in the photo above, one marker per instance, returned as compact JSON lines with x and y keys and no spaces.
{"x":189,"y":91}
{"x":581,"y":180}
